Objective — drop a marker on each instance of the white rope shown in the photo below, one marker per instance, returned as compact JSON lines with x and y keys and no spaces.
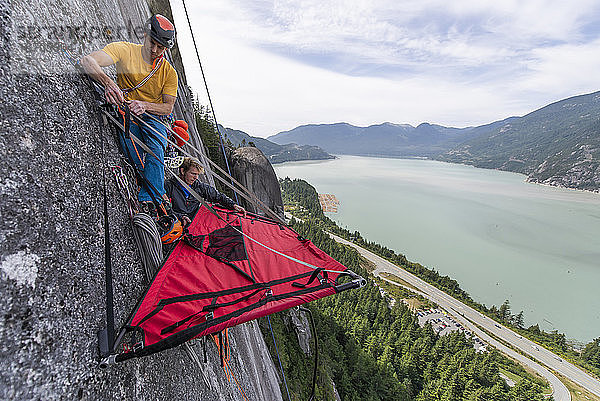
{"x":203,"y":202}
{"x":148,"y":242}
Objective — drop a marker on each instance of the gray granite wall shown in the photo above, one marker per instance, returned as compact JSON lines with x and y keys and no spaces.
{"x":54,"y":153}
{"x":252,"y":169}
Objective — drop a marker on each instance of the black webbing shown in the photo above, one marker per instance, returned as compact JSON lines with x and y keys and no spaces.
{"x":110,"y":316}
{"x":311,"y":279}
{"x":215,"y":305}
{"x":314,"y":379}
{"x":221,"y":349}
{"x":234,"y":267}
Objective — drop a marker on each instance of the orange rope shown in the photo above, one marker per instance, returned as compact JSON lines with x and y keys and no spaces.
{"x":137,"y":153}
{"x":122,"y":113}
{"x":226,"y":367}
{"x":220,"y":347}
{"x":238,"y":384}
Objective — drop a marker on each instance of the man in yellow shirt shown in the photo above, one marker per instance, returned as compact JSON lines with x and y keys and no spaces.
{"x":148,"y":84}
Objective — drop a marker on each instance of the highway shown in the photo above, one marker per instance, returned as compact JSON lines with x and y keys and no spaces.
{"x":467,"y":316}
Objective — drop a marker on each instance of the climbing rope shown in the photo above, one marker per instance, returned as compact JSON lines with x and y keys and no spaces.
{"x":191,"y":353}
{"x":316,"y":350}
{"x":279,"y":359}
{"x":222,"y":343}
{"x":246,"y":193}
{"x":211,"y":209}
{"x":208,"y":93}
{"x":148,"y":242}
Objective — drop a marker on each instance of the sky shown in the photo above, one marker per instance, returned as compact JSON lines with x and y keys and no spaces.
{"x":274,"y":65}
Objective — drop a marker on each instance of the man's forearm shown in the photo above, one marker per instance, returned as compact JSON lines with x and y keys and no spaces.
{"x":93,"y":69}
{"x":161,"y":109}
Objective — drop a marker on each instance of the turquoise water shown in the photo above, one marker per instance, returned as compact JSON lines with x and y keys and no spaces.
{"x":498,"y":236}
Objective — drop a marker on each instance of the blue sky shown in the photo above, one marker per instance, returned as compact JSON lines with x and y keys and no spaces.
{"x":274,"y":65}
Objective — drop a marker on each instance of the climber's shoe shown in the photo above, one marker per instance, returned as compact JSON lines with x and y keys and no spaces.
{"x":149,"y":208}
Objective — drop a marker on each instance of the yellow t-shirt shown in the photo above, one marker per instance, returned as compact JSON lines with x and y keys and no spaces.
{"x":132,"y":69}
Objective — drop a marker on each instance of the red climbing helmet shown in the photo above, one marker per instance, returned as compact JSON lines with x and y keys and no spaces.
{"x":161,"y":30}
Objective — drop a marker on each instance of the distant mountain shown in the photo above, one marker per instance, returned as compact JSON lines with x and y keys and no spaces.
{"x":276,"y":153}
{"x":558,"y":144}
{"x":385,"y":139}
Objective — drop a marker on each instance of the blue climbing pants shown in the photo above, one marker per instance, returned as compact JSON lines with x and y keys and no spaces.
{"x":146,"y":163}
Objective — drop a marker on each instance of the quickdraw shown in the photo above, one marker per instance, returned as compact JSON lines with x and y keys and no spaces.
{"x":123,"y":185}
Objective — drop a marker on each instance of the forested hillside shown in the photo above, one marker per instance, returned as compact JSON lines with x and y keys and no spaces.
{"x":372,"y":351}
{"x":557,"y":145}
{"x":302,"y":197}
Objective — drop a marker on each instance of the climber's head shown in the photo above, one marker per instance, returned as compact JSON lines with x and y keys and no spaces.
{"x":190,"y":169}
{"x":160,"y":35}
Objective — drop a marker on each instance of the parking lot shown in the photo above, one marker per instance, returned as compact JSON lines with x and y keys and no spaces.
{"x":442,"y":323}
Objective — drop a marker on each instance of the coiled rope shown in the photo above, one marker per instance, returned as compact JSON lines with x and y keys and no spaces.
{"x":148,"y":242}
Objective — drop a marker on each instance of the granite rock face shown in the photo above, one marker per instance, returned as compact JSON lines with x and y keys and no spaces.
{"x":303,"y":331}
{"x":253,"y":170}
{"x":56,"y":155}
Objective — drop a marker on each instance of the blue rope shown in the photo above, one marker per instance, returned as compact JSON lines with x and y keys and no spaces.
{"x":279,"y":360}
{"x":209,"y":98}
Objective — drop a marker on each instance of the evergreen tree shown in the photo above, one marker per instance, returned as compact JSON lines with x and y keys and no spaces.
{"x":504,"y":311}
{"x":591,"y":353}
{"x":518,"y":320}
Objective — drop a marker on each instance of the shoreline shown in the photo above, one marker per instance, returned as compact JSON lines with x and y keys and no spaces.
{"x":532,"y":317}
{"x":527,"y":178}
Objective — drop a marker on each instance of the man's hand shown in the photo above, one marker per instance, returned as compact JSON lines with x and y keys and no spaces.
{"x":113,"y":93}
{"x":137,"y":107}
{"x":185,"y":220}
{"x":239,"y":209}
{"x":92,"y":64}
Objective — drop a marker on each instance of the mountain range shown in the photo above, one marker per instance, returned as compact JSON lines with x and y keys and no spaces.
{"x":558,"y":144}
{"x":276,"y":153}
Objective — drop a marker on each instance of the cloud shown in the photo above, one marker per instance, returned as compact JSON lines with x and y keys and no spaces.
{"x":273,"y":65}
{"x":570,"y":67}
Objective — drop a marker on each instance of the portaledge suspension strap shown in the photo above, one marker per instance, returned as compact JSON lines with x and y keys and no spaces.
{"x":106,"y":337}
